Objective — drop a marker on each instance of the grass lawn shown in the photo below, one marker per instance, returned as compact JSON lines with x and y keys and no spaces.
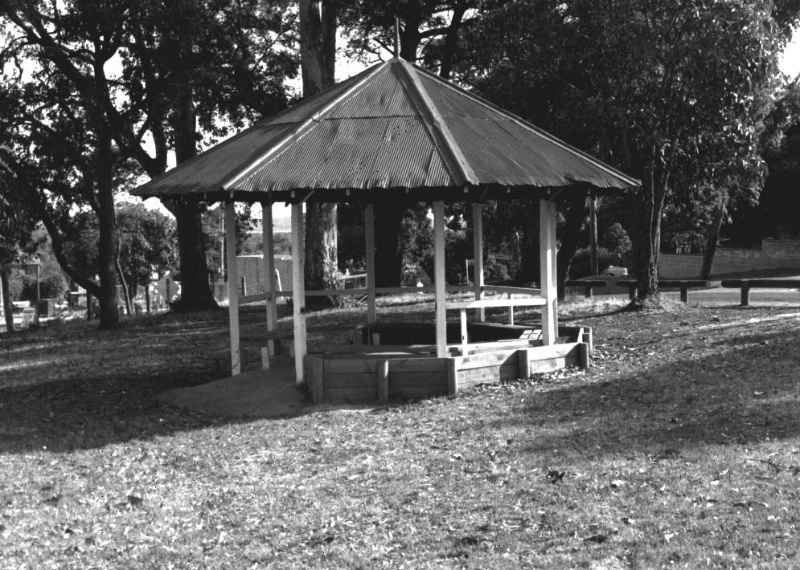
{"x":679,"y":448}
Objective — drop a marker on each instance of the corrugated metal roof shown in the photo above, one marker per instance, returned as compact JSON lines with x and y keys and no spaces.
{"x":393,"y":129}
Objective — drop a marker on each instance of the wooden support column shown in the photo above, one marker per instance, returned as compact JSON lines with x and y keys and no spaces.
{"x":383,"y":381}
{"x":464,"y":333}
{"x":233,"y":287}
{"x":298,"y":293}
{"x":369,"y":230}
{"x":477,"y":255}
{"x":268,"y":249}
{"x":439,"y":279}
{"x":547,"y":255}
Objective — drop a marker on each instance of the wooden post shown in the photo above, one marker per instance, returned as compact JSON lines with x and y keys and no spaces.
{"x":439,"y":279}
{"x":583,"y":355}
{"x":383,"y":381}
{"x":316,"y":378}
{"x":547,"y":261}
{"x":369,"y":230}
{"x":298,"y":293}
{"x":477,"y":254}
{"x":524,"y":363}
{"x":745,"y":294}
{"x":464,"y":333}
{"x":452,"y":375}
{"x":233,"y":287}
{"x":268,"y":252}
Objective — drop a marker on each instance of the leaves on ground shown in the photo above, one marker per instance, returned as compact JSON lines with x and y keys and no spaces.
{"x":662,"y":454}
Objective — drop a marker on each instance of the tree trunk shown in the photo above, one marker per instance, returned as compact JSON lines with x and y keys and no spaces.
{"x":530,"y":254}
{"x":574,"y":217}
{"x":451,"y":41}
{"x":8,"y":307}
{"x":594,"y":262}
{"x":107,"y":221}
{"x":317,"y":45}
{"x":196,"y":292}
{"x":410,"y":36}
{"x":648,"y":233}
{"x":125,"y":291}
{"x":712,"y":239}
{"x":318,"y":62}
{"x":388,"y":257}
{"x":322,"y":272}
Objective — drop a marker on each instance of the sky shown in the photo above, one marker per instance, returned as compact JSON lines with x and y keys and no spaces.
{"x":790,"y":61}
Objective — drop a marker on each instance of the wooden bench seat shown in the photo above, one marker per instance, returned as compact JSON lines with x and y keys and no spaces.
{"x":683,"y":284}
{"x":746,"y":284}
{"x":587,"y":284}
{"x":269,"y":342}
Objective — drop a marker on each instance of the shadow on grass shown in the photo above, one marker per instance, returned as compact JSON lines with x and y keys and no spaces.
{"x":83,"y":414}
{"x":746,"y":394}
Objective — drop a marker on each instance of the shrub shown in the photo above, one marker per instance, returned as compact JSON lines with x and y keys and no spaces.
{"x":52,"y":286}
{"x":580,"y":265}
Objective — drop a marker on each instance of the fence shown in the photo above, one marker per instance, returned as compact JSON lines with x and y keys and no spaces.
{"x":773,"y":254}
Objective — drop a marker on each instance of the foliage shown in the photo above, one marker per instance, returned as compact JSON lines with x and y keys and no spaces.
{"x":115,"y":86}
{"x":663,"y":91}
{"x":147,"y":244}
{"x":16,"y":221}
{"x":52,"y":283}
{"x":429,"y":30}
{"x":146,"y":238}
{"x":214,"y":234}
{"x":616,"y":240}
{"x":580,"y":265}
{"x":495,"y":272}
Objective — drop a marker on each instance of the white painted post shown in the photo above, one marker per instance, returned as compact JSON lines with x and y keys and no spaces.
{"x":547,"y":265}
{"x":477,"y":254}
{"x":369,"y":230}
{"x":233,"y":287}
{"x":298,"y":293}
{"x":439,"y":278}
{"x":268,"y":249}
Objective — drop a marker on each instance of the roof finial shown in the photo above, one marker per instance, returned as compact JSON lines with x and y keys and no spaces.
{"x":396,"y":36}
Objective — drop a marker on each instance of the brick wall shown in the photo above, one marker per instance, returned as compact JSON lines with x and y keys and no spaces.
{"x":774,"y":254}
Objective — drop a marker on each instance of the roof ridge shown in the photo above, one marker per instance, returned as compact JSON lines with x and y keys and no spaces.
{"x":528,"y":125}
{"x":455,"y":160}
{"x":304,"y":125}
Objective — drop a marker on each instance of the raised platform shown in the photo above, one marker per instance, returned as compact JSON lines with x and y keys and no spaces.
{"x":408,"y":369}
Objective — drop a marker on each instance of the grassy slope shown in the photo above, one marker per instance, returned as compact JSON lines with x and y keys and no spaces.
{"x":680,"y":448}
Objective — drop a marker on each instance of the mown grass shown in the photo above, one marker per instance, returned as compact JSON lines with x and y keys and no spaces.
{"x":680,"y":448}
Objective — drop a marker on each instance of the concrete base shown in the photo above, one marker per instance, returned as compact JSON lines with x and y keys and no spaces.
{"x":257,"y":393}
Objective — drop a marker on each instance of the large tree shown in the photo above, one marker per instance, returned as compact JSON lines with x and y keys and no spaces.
{"x":185,"y":68}
{"x":16,"y":225}
{"x":198,"y":68}
{"x":318,"y":64}
{"x":68,"y":104}
{"x":649,"y":86}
